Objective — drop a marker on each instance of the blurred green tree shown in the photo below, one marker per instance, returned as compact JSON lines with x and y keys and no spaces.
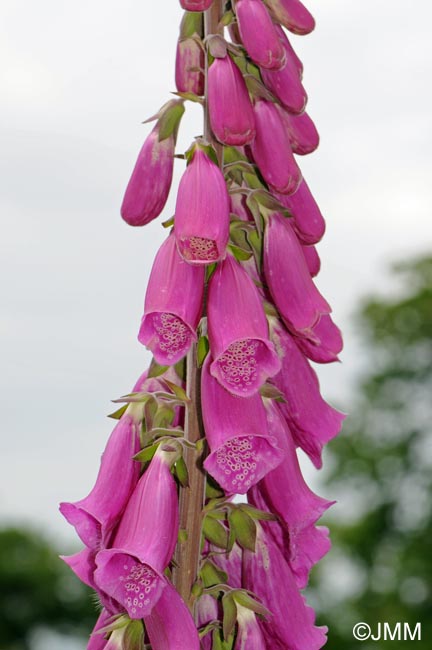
{"x":380,"y":569}
{"x":37,"y":590}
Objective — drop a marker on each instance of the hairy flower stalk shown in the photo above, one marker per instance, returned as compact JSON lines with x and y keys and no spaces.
{"x":232,"y":317}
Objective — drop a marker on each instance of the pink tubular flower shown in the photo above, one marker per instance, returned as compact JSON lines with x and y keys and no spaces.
{"x":189,"y":77}
{"x":95,"y":516}
{"x":201,"y":224}
{"x":302,"y":132}
{"x":170,"y":625}
{"x":241,"y":451}
{"x":243,"y":355}
{"x":290,"y":52}
{"x":309,"y":223}
{"x":272,"y":151}
{"x":196,"y":5}
{"x":131,"y":572}
{"x":286,"y":85}
{"x":312,"y":259}
{"x":326,"y":342}
{"x":149,"y":185}
{"x":294,"y":293}
{"x":259,"y":35}
{"x":293,"y":15}
{"x":249,"y":635}
{"x":168,"y":326}
{"x":312,"y":421}
{"x":231,"y":114}
{"x":292,"y":622}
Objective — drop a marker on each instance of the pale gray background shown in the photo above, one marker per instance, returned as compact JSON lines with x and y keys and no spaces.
{"x":77,"y":79}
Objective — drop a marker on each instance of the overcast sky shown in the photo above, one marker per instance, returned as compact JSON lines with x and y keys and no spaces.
{"x":76,"y":81}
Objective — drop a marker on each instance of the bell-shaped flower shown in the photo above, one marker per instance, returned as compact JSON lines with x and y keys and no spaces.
{"x":312,"y":259}
{"x":292,"y":622}
{"x":302,"y":132}
{"x":293,"y":15}
{"x":286,"y":84}
{"x":168,"y":326}
{"x":131,"y":572}
{"x":95,"y":516}
{"x":249,"y":633}
{"x":308,"y":221}
{"x":170,"y":625}
{"x":230,"y":109}
{"x":149,"y":185}
{"x":312,"y":421}
{"x":291,"y":286}
{"x":244,"y":357}
{"x":201,"y":224}
{"x":241,"y":451}
{"x":326,"y":342}
{"x":271,"y":149}
{"x":258,"y":34}
{"x":196,"y":5}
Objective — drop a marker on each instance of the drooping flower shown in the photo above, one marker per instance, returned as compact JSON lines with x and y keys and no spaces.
{"x":190,"y":59}
{"x":292,"y":622}
{"x":201,"y":224}
{"x":258,"y":34}
{"x":131,"y":571}
{"x":326,"y":342}
{"x":312,"y":259}
{"x":168,"y":326}
{"x":294,"y":293}
{"x":196,"y":5}
{"x":241,"y":451}
{"x":285,"y":83}
{"x":271,"y":149}
{"x":249,"y":634}
{"x":95,"y":516}
{"x":293,"y":15}
{"x":243,"y":355}
{"x":227,"y":89}
{"x":170,"y":625}
{"x":312,"y":421}
{"x":302,"y":132}
{"x":308,"y":221}
{"x":149,"y":185}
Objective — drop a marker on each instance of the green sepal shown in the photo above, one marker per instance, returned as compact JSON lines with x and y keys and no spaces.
{"x":117,"y":414}
{"x":191,"y":23}
{"x":178,"y":391}
{"x":212,"y":490}
{"x":271,"y":392}
{"x":145,"y":455}
{"x":150,"y":410}
{"x":182,"y":536}
{"x":133,"y":635}
{"x":221,"y":644}
{"x":257,"y":514}
{"x":191,"y":97}
{"x":253,"y":206}
{"x":215,"y":532}
{"x":244,"y":528}
{"x":156,"y":370}
{"x":203,"y":347}
{"x":227,"y":18}
{"x":229,"y":615}
{"x":168,"y":223}
{"x":242,"y":597}
{"x":216,"y":46}
{"x":197,"y":590}
{"x":240,"y":254}
{"x":256,"y":243}
{"x":180,"y":368}
{"x":210,"y":269}
{"x":256,"y":87}
{"x":170,"y":120}
{"x":211,"y":575}
{"x":164,"y":416}
{"x":253,"y":181}
{"x":181,"y":472}
{"x":231,"y":155}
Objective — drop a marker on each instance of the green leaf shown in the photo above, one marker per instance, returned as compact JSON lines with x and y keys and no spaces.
{"x":156,"y":370}
{"x":211,"y":575}
{"x":203,"y":347}
{"x":117,"y":414}
{"x":215,"y":532}
{"x":190,"y":96}
{"x":243,"y":598}
{"x":229,"y":615}
{"x":170,"y":120}
{"x":181,"y":471}
{"x":244,"y":528}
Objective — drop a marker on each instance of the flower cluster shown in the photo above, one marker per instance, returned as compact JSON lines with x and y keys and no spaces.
{"x":234,"y":279}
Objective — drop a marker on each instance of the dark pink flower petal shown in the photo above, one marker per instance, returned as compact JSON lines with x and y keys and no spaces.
{"x":312,"y":259}
{"x":308,"y":548}
{"x":302,"y":132}
{"x":170,"y":625}
{"x":309,"y":223}
{"x":286,"y":84}
{"x":271,"y":149}
{"x":293,"y":15}
{"x":149,"y":185}
{"x":83,"y":565}
{"x":243,"y":355}
{"x":258,"y":34}
{"x":231,"y":113}
{"x":168,"y":326}
{"x":326,"y":342}
{"x":201,"y":224}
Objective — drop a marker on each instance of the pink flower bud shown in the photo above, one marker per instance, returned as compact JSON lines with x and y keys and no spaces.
{"x":271,"y":149}
{"x":241,"y":451}
{"x":231,"y":114}
{"x":149,"y":185}
{"x":308,"y":221}
{"x":293,"y":15}
{"x":286,"y":85}
{"x":201,"y":224}
{"x":301,"y":131}
{"x":243,"y":355}
{"x":196,"y":5}
{"x":290,"y":52}
{"x":189,"y":64}
{"x":168,"y":326}
{"x":170,"y":625}
{"x":259,"y":35}
{"x":294,"y":293}
{"x":312,"y":259}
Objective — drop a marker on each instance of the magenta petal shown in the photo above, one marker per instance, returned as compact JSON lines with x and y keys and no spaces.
{"x":169,"y":324}
{"x":271,"y":149}
{"x":312,"y":259}
{"x":312,"y":421}
{"x":95,"y":516}
{"x":189,"y":64}
{"x":149,"y":185}
{"x":201,"y":223}
{"x":226,"y":88}
{"x":292,"y":622}
{"x":83,"y":565}
{"x":296,"y":297}
{"x":301,"y":131}
{"x":326,"y":342}
{"x":170,"y":625}
{"x":290,"y":52}
{"x":258,"y":34}
{"x":309,"y":223}
{"x":307,"y":549}
{"x":241,"y":451}
{"x":249,"y":635}
{"x":293,"y":15}
{"x":243,"y":355}
{"x":286,"y":85}
{"x":97,"y":640}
